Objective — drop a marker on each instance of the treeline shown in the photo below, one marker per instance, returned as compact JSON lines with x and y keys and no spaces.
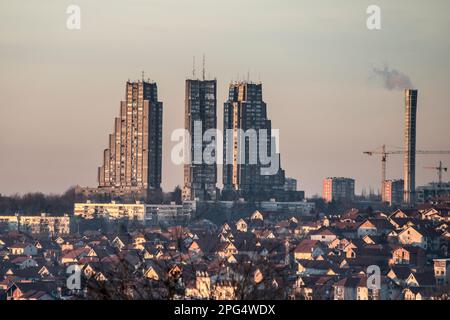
{"x":37,"y":202}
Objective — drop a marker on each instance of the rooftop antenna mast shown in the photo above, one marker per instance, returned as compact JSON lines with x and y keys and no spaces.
{"x":193,"y":67}
{"x":143,"y":74}
{"x":203,"y":70}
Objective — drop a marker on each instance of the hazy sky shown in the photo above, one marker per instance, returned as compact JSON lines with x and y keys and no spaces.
{"x":60,"y":90}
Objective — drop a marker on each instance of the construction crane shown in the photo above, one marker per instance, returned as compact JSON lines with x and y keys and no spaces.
{"x":382,"y":151}
{"x":439,"y":169}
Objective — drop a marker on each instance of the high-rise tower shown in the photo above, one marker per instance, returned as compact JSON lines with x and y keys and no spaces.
{"x":132,"y":162}
{"x":409,"y":160}
{"x":338,"y":188}
{"x":246,"y":112}
{"x":200,"y":177}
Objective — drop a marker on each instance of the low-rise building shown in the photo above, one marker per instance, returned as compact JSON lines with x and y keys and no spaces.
{"x":299,"y":207}
{"x":113,"y":210}
{"x":145,"y":213}
{"x":442,"y":271}
{"x":432,"y":191}
{"x":39,"y":223}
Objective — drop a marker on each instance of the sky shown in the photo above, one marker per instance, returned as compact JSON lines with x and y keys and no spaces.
{"x":60,"y":89}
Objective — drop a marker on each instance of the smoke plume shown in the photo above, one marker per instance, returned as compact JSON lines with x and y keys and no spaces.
{"x":393,"y":79}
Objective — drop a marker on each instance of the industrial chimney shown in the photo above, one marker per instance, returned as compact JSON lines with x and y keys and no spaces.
{"x":409,"y":161}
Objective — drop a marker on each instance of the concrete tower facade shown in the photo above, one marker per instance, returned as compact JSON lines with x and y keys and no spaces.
{"x":133,"y":161}
{"x":200,"y":179}
{"x":409,"y":160}
{"x":245,"y":110}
